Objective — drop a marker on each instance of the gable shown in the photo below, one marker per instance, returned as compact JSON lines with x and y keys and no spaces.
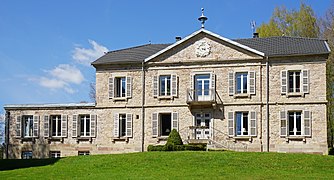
{"x":202,"y":47}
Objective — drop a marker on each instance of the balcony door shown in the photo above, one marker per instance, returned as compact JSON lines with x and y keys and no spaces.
{"x":202,"y":87}
{"x":202,"y":123}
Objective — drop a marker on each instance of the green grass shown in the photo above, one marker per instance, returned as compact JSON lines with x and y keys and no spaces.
{"x":175,"y":165}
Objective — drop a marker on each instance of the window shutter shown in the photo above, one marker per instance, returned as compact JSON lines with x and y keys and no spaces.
{"x":192,"y":90}
{"x":75,"y":126}
{"x":252,"y":82}
{"x":111,"y":87}
{"x":18,"y":123}
{"x":284,"y":124}
{"x":35,"y":126}
{"x":46,"y":126}
{"x":230,"y":123}
{"x":305,"y":81}
{"x":253,"y":123}
{"x":213,"y":86}
{"x":174,"y":85}
{"x":116,"y":125}
{"x":128,"y":86}
{"x":175,"y":118}
{"x":128,"y":125}
{"x":284,"y":86}
{"x":154,"y":124}
{"x":93,"y":120}
{"x":307,"y":123}
{"x":155,"y":86}
{"x":63,"y":125}
{"x":231,"y":83}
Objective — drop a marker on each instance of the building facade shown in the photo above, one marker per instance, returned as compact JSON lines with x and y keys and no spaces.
{"x":257,"y":94}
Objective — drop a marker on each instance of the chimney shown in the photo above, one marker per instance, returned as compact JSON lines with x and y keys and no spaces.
{"x":178,"y":38}
{"x":255,"y":35}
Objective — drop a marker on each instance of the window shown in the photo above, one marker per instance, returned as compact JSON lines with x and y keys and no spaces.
{"x":54,"y":154}
{"x":240,"y":83}
{"x":122,"y":125}
{"x":165,"y":85}
{"x":242,"y":123}
{"x":294,"y":81}
{"x":26,"y":155}
{"x":28,"y":122}
{"x":83,"y":153}
{"x":56,"y":125}
{"x":120,"y":86}
{"x":84,"y":125}
{"x":163,"y":123}
{"x":295,"y":123}
{"x":166,"y":124}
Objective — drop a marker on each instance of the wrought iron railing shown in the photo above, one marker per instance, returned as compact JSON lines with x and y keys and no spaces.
{"x":201,"y":95}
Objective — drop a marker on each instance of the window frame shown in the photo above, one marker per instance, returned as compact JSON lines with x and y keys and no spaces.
{"x":294,"y":79}
{"x":242,"y":123}
{"x":242,"y":73}
{"x":85,"y":125}
{"x":160,"y":134}
{"x":166,"y":92}
{"x":55,"y":154}
{"x":24,"y":156}
{"x":58,"y":120}
{"x":31,"y":126}
{"x":120,"y":81}
{"x":83,"y":153}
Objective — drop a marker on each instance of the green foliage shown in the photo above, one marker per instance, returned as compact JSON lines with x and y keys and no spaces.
{"x":331,"y":151}
{"x":171,"y":147}
{"x":178,"y":165}
{"x":174,"y":138}
{"x":302,"y":22}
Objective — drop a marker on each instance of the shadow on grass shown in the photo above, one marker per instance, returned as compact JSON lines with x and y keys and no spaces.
{"x":11,"y":164}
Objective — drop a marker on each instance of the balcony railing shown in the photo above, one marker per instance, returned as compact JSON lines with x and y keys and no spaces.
{"x":201,"y":96}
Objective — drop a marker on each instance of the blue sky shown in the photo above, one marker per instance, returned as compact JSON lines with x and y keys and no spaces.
{"x":46,"y":46}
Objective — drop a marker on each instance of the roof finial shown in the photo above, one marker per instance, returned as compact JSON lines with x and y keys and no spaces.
{"x":202,"y":18}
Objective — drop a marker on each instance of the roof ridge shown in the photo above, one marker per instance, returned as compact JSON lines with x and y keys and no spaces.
{"x":143,"y":45}
{"x":292,"y":37}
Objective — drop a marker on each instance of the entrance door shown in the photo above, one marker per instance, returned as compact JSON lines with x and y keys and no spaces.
{"x":202,"y":123}
{"x":202,"y":87}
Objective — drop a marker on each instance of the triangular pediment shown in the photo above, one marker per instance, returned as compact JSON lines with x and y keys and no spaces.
{"x":204,"y":45}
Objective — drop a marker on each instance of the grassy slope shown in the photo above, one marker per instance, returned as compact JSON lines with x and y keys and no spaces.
{"x":192,"y":165}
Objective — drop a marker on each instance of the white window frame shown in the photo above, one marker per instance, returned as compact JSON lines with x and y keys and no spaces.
{"x":242,"y":128}
{"x":165,"y":93}
{"x":122,"y":117}
{"x":295,"y":123}
{"x":83,"y":153}
{"x":25,"y":156}
{"x":160,"y":123}
{"x":85,"y":125}
{"x":119,"y":87}
{"x":55,"y":154}
{"x":241,"y":83}
{"x":58,"y":118}
{"x":30,"y":119}
{"x":294,"y":81}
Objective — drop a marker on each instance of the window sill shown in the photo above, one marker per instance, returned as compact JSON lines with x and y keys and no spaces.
{"x":296,"y":138}
{"x":126,"y":139}
{"x":299,"y":94}
{"x":162,"y":138}
{"x":90,"y":139}
{"x":164,"y":97}
{"x":243,"y":95}
{"x":243,"y":138}
{"x":119,"y":98}
{"x":28,"y":139}
{"x":61,"y":139}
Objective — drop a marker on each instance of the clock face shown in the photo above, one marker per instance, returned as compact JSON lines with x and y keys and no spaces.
{"x":203,"y":48}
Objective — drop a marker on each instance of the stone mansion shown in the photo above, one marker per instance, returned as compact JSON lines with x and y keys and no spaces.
{"x":255,"y":94}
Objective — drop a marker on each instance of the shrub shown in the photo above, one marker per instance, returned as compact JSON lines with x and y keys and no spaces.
{"x":331,"y":151}
{"x":156,"y":148}
{"x":194,"y":147}
{"x":174,"y":138}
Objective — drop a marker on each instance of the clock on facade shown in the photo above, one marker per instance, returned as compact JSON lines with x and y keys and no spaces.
{"x":203,"y":48}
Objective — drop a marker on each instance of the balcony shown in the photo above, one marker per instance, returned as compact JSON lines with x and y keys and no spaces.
{"x":201,"y":97}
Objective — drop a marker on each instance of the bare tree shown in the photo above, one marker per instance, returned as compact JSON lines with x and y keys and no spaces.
{"x":92,"y":92}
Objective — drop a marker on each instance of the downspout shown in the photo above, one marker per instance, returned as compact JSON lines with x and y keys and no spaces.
{"x":142,"y":107}
{"x":7,"y":117}
{"x":267,"y":101}
{"x":261,"y":107}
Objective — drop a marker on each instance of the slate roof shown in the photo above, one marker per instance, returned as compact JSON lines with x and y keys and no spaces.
{"x":133,"y":54}
{"x":286,"y":46}
{"x":272,"y":46}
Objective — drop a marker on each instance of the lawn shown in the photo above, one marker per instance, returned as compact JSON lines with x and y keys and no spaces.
{"x":175,"y":165}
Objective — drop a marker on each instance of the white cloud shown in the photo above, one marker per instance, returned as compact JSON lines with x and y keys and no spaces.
{"x":86,"y":56}
{"x":61,"y":77}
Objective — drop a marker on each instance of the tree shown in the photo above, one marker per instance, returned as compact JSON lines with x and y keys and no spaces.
{"x":327,"y":32}
{"x":301,"y":23}
{"x":92,"y":92}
